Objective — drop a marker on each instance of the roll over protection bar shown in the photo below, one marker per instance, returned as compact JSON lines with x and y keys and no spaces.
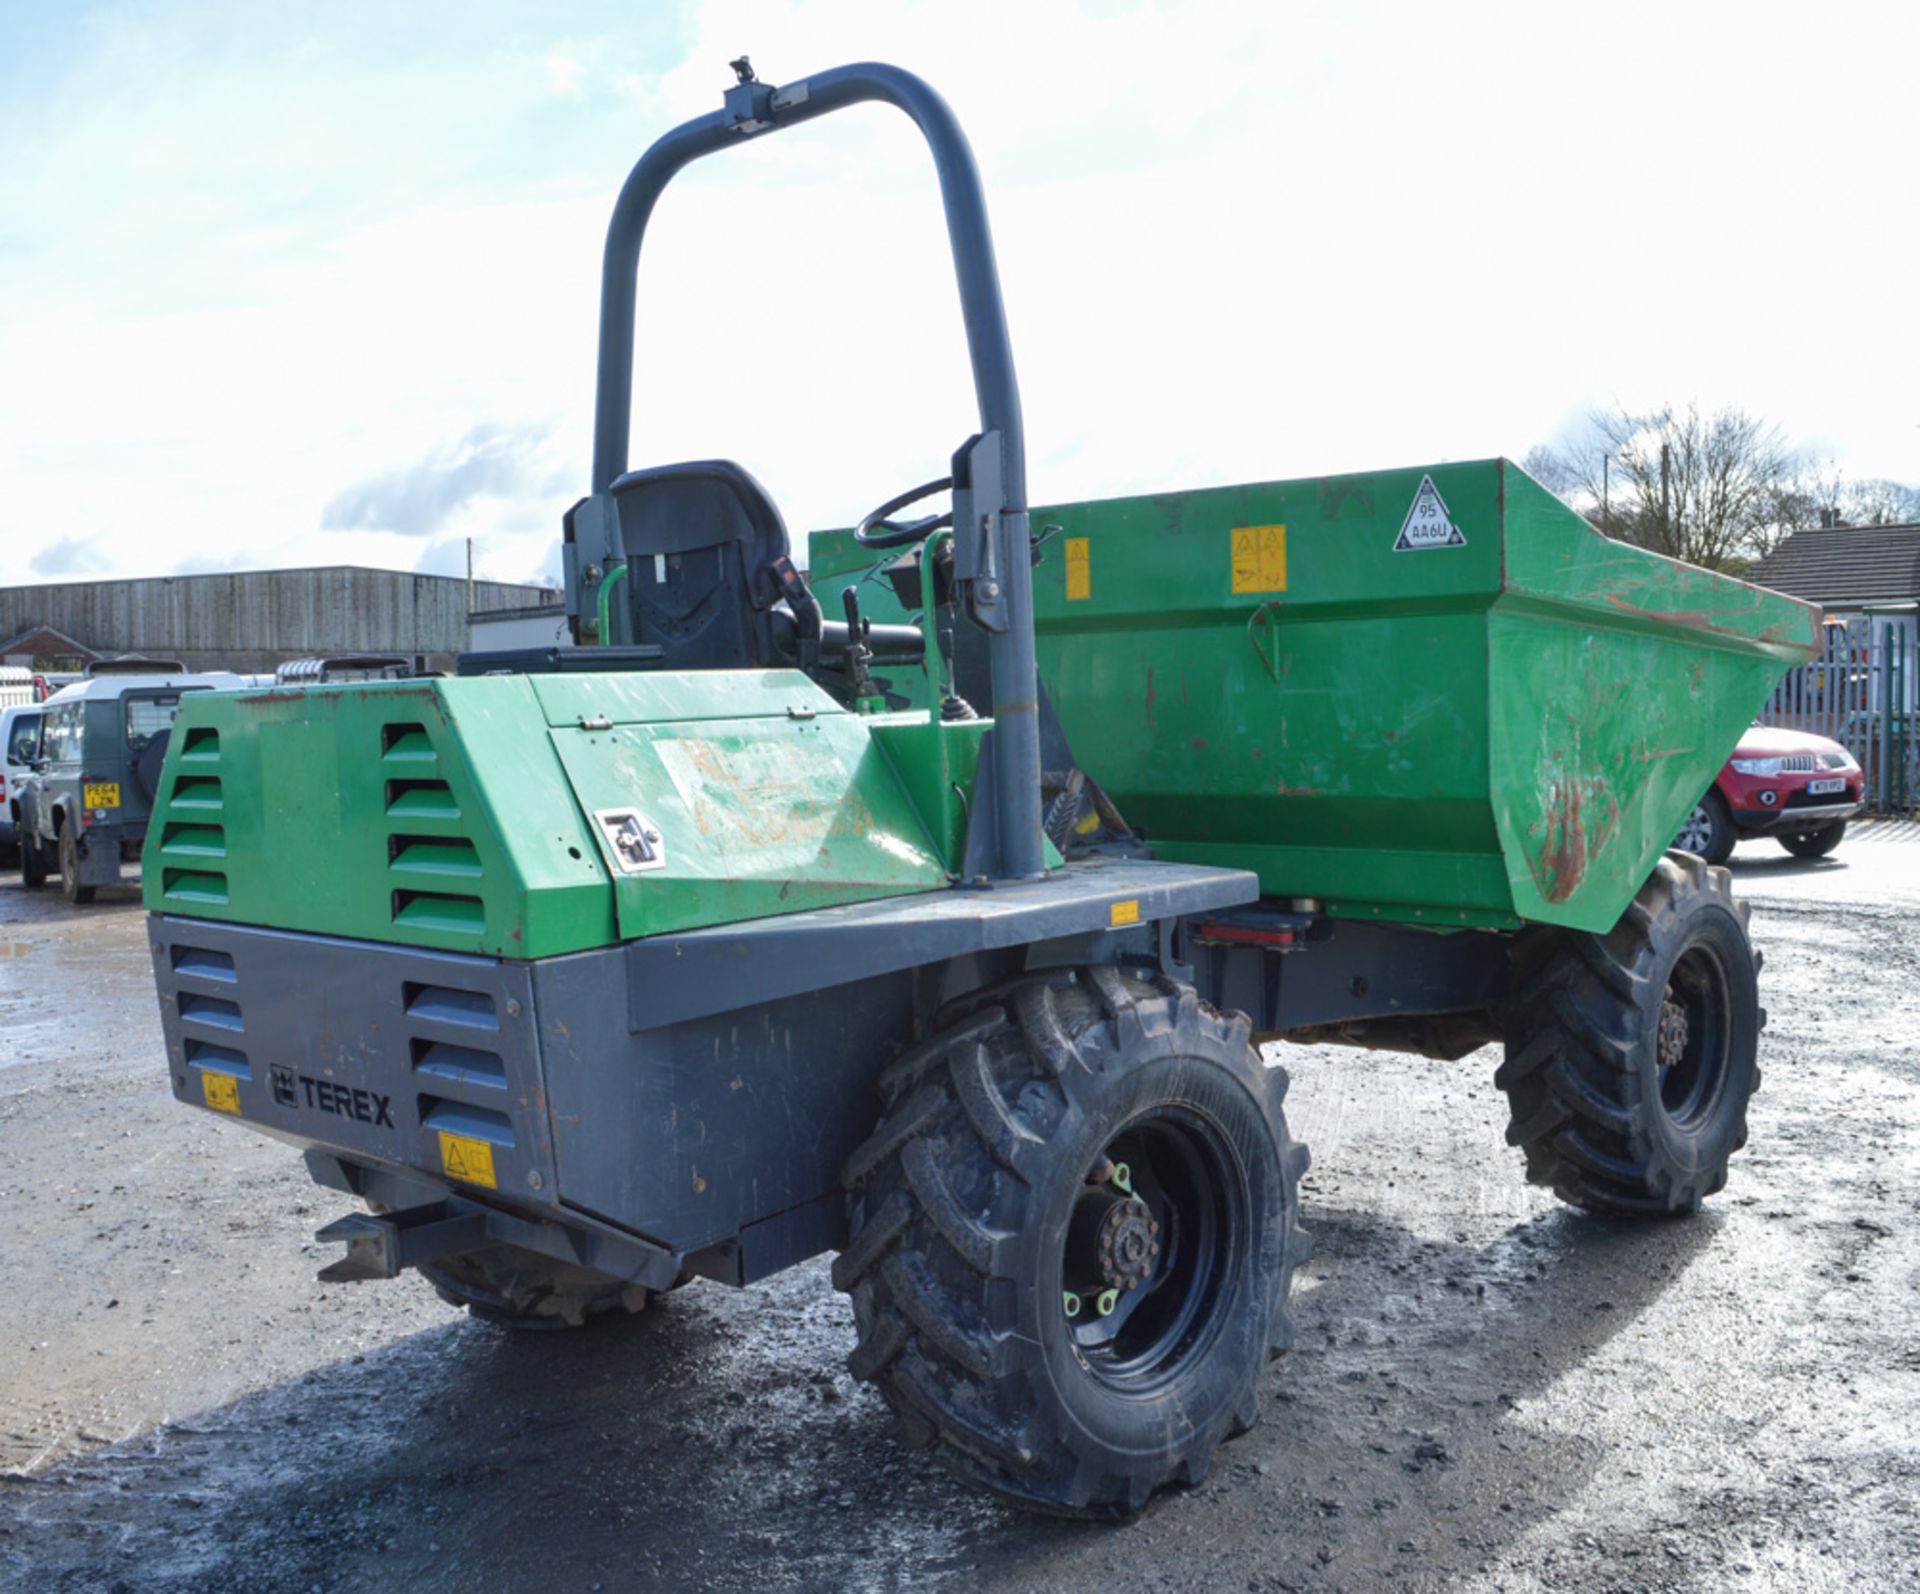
{"x":990,"y":505}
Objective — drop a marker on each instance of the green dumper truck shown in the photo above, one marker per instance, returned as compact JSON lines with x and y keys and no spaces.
{"x":928,"y":909}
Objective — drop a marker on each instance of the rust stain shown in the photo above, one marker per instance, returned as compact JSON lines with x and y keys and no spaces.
{"x":1152,"y":698}
{"x":1581,"y":815}
{"x":1562,"y":863}
{"x":1198,"y":744}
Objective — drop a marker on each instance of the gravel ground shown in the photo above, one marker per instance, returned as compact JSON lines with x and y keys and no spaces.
{"x":1491,"y":1392}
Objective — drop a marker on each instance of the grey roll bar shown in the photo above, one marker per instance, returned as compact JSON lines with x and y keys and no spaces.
{"x":990,"y":521}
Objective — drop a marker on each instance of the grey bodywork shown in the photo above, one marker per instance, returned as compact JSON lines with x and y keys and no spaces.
{"x":682,"y":1104}
{"x":52,"y":798}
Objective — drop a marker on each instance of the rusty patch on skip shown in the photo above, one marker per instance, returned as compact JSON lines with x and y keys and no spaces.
{"x":1580,"y":815}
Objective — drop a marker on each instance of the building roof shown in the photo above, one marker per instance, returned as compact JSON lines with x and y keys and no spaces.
{"x":43,"y":639}
{"x":1845,"y":564}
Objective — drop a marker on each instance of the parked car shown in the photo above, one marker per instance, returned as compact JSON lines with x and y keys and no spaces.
{"x":1798,"y":788}
{"x":19,"y":740}
{"x":84,"y":807}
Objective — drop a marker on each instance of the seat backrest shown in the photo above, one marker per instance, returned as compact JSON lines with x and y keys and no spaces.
{"x":700,"y":540}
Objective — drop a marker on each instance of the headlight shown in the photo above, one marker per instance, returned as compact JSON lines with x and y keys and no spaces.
{"x":1758,"y":766}
{"x":1847,"y":761}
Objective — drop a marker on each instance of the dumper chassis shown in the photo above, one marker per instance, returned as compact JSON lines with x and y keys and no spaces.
{"x":739,"y":934}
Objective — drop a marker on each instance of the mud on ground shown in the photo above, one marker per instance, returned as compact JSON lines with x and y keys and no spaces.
{"x":1490,"y":1392}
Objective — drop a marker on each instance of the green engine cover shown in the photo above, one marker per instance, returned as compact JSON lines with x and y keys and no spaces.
{"x":526,"y":816}
{"x":1432,"y":695}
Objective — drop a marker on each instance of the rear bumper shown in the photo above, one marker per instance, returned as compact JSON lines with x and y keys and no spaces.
{"x":377,"y":1053}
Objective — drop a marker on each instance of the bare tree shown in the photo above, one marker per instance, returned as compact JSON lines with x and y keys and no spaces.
{"x":1715,"y":490}
{"x":1828,"y":498}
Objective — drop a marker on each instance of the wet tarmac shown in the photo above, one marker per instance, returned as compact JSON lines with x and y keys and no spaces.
{"x":1491,"y":1392}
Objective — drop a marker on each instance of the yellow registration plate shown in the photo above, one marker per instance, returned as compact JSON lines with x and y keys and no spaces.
{"x":222,"y":1091}
{"x":103,"y":794}
{"x":466,"y":1158}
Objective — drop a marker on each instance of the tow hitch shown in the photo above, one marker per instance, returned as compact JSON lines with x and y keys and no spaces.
{"x":379,"y":1245}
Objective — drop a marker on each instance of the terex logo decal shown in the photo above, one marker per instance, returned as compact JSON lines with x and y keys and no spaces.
{"x":363,"y":1106}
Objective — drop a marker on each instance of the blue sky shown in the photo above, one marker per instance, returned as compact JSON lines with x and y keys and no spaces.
{"x":286,"y":286}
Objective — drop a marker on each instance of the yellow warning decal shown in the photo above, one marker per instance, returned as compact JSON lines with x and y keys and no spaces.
{"x":1079,"y":570}
{"x":1259,"y":558}
{"x":101,"y":794}
{"x":1127,"y":912}
{"x":466,"y":1158}
{"x":222,"y":1091}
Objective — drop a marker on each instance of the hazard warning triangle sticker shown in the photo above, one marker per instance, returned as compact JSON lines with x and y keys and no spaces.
{"x":1427,"y":524}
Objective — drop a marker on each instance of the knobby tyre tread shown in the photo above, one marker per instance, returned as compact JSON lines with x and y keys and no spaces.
{"x":952,"y":1258}
{"x":1582,"y":1074}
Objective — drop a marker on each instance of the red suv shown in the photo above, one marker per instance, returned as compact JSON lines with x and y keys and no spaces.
{"x":1798,"y":788}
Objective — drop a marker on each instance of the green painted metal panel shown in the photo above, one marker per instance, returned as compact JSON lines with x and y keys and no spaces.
{"x":1433,"y":695}
{"x":756,"y":816}
{"x":444,"y":813}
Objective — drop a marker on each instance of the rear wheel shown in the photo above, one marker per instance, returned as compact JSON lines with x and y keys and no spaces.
{"x":1707,"y":832}
{"x":1631,"y":1056}
{"x":33,"y":862}
{"x":1072,"y":1236}
{"x":70,"y":886}
{"x":1815,"y":843}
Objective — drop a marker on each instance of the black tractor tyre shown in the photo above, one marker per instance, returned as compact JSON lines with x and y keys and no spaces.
{"x":33,"y":862}
{"x":1707,"y":831}
{"x":70,"y":886}
{"x":1816,"y":843}
{"x":1631,"y":1056}
{"x":528,"y":1292}
{"x":1052,"y":1128}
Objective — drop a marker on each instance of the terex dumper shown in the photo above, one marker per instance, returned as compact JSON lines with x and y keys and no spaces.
{"x":940,"y":933}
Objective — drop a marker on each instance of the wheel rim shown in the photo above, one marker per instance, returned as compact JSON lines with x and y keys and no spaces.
{"x":1152,"y":1254}
{"x":1696,"y":832}
{"x":1694,"y":1037}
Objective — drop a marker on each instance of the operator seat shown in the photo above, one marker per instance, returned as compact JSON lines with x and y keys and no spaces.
{"x":701,"y":540}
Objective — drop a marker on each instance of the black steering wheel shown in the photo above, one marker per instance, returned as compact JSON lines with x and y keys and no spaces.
{"x":876,"y":530}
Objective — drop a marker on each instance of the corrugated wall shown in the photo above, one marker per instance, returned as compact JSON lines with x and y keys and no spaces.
{"x":252,"y":620}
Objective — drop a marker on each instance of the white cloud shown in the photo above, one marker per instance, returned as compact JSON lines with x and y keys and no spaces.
{"x":1236,"y":242}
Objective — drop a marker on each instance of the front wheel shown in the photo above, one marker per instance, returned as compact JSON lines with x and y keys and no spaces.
{"x":33,"y":862}
{"x":1072,"y":1236}
{"x":1707,"y":832}
{"x":525,"y":1291}
{"x":1815,"y":843}
{"x":1631,"y":1056}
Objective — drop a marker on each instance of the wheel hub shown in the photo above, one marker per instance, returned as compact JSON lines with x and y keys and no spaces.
{"x":1671,"y":1040}
{"x":1114,"y":1242}
{"x":1128,"y":1245}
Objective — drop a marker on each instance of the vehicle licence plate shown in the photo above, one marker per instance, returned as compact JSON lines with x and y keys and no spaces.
{"x":102,"y":794}
{"x":1819,"y":788}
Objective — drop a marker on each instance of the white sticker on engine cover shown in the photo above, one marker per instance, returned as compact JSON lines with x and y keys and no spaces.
{"x":1427,"y":524}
